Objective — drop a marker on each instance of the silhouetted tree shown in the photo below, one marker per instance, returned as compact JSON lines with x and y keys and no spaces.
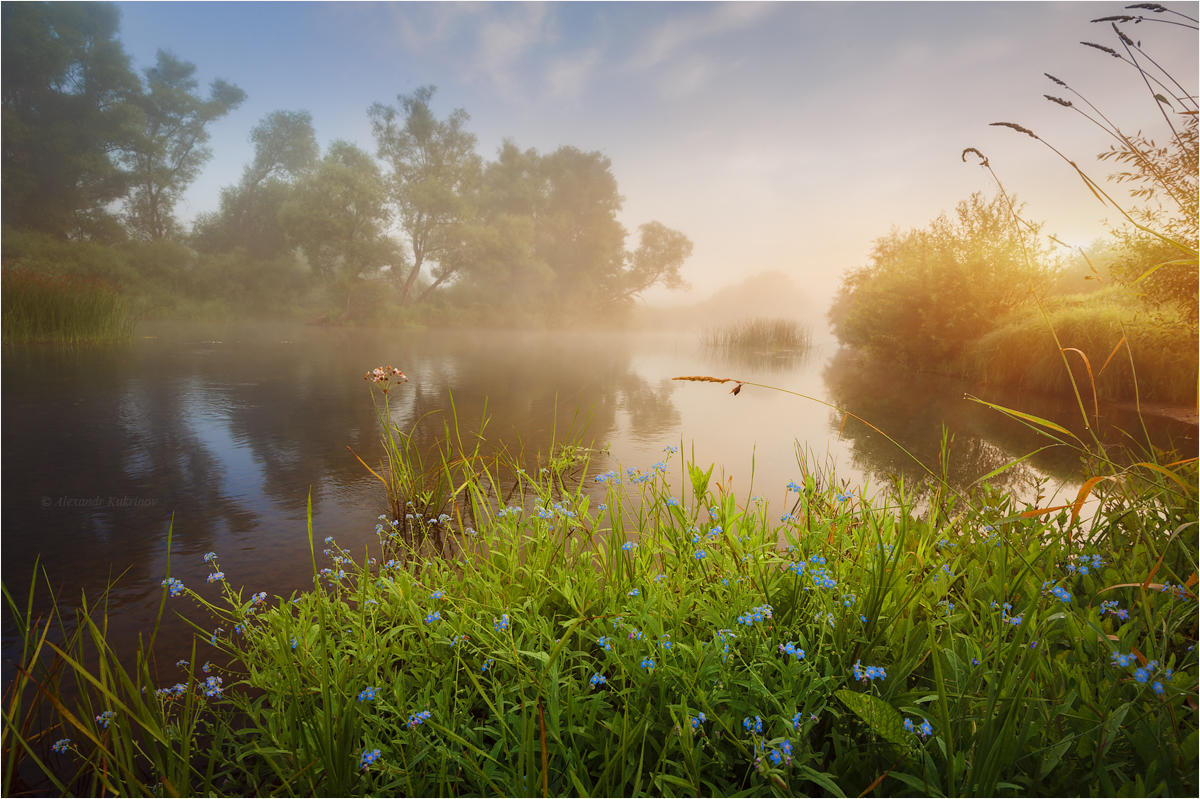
{"x":66,"y":85}
{"x":168,"y":154}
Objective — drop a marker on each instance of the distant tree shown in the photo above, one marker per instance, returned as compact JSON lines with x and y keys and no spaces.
{"x":434,"y":177}
{"x":926,"y":293}
{"x":578,"y":234}
{"x":66,"y":82}
{"x":285,"y":150}
{"x":657,"y":260}
{"x":338,"y":216}
{"x":170,"y":150}
{"x":552,"y":235}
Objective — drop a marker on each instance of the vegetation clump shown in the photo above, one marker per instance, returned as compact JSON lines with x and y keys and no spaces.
{"x":755,"y":336}
{"x":968,"y":294}
{"x":63,"y":309}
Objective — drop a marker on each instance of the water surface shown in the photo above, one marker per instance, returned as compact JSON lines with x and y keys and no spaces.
{"x":225,"y":431}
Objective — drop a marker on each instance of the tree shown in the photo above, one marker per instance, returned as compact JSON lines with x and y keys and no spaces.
{"x":927,"y":293}
{"x":285,"y":150}
{"x":170,"y":151}
{"x":657,"y":259}
{"x":66,"y":83}
{"x":338,"y":216}
{"x":434,"y":176}
{"x":578,"y":234}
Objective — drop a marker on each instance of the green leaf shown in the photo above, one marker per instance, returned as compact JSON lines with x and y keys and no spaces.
{"x":544,"y":657}
{"x":1053,"y":756}
{"x":881,"y":717}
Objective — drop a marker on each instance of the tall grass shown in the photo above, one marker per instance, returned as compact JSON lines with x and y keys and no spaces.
{"x":758,"y":336}
{"x":61,"y":308}
{"x":1099,"y":325}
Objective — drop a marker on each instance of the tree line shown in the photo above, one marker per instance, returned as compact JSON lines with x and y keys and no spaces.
{"x":97,"y":157}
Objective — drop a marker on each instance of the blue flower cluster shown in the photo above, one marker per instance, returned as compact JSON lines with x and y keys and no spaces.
{"x":60,"y":746}
{"x":368,"y":757}
{"x":104,"y":718}
{"x":753,"y":725}
{"x":175,"y":586}
{"x":598,"y":680}
{"x":417,"y":719}
{"x":924,"y":730}
{"x":753,"y":615}
{"x":367,"y":694}
{"x":781,"y":754}
{"x":791,"y":649}
{"x":869,"y":673}
{"x":501,"y":623}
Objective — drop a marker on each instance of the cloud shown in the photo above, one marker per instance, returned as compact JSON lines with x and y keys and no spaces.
{"x":686,"y":77}
{"x":504,"y":40}
{"x":679,"y":32}
{"x":426,"y":25}
{"x":566,"y":77}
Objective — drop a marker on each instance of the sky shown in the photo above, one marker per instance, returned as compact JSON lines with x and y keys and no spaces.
{"x":776,"y":136}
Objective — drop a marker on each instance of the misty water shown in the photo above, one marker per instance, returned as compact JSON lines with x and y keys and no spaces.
{"x":227,"y":429}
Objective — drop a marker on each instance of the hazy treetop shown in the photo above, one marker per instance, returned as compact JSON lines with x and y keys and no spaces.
{"x":776,"y":136}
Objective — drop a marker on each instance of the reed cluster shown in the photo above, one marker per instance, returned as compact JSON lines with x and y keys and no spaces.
{"x":759,"y":336}
{"x":66,"y":309}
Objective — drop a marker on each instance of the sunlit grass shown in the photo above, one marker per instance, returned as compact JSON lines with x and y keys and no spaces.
{"x":1162,"y":344}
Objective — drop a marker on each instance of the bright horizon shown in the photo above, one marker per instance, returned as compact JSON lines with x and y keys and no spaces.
{"x":776,"y":136}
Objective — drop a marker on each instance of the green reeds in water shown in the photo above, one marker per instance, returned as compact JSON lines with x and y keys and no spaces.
{"x":759,"y":336}
{"x":62,"y":309}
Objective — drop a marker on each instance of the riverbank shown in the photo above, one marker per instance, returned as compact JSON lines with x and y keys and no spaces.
{"x":651,"y":645}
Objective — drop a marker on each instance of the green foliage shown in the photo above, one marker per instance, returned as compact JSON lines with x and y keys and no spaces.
{"x":66,"y":107}
{"x":285,"y":151}
{"x":434,"y":173}
{"x":69,"y":310}
{"x":170,"y":148}
{"x":927,"y":292}
{"x":1160,"y":345}
{"x":337,"y":216}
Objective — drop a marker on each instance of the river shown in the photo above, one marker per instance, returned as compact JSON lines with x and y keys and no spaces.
{"x":224,"y":430}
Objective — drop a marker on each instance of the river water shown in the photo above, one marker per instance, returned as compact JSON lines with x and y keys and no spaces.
{"x":227,"y":429}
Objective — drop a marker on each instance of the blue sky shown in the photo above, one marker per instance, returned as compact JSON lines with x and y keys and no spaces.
{"x":782,"y":136}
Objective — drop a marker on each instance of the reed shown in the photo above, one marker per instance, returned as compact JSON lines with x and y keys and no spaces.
{"x":64,"y":309}
{"x":759,"y":335}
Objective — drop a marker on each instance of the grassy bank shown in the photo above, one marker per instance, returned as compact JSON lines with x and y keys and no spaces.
{"x":64,"y":309}
{"x":1108,"y":341}
{"x":655,"y":635}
